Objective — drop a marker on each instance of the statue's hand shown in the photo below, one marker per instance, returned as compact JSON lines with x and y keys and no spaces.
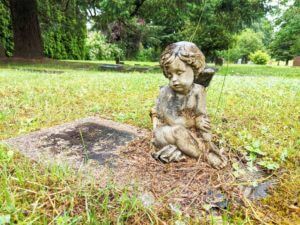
{"x":203,"y":124}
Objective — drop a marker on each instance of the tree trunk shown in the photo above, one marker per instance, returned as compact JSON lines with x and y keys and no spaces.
{"x":26,"y":29}
{"x":286,"y":62}
{"x":2,"y":52}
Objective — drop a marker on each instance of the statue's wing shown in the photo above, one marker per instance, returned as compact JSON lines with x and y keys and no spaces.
{"x":205,"y":77}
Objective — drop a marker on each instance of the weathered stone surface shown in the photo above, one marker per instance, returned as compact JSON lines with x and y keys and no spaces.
{"x":181,"y":126}
{"x":296,"y":61}
{"x":77,"y":142}
{"x":128,"y":68}
{"x":41,"y":71}
{"x":113,"y":67}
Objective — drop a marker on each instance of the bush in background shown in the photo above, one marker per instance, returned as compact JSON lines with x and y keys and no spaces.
{"x":259,"y":57}
{"x":6,"y":36}
{"x":246,"y":42}
{"x":100,"y":49}
{"x":146,"y":54}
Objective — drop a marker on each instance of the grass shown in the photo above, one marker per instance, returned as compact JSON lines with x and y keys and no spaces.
{"x":258,"y":70}
{"x":232,"y":69}
{"x":253,"y":110}
{"x":49,"y":64}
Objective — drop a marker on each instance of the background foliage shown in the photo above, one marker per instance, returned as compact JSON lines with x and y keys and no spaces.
{"x":5,"y":31}
{"x":248,"y":41}
{"x":140,"y":29}
{"x":100,"y":49}
{"x":63,"y":29}
{"x":259,"y":57}
{"x":286,"y":43}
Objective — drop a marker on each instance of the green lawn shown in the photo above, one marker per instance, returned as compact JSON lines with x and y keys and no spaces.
{"x":266,"y":70}
{"x":232,"y":69}
{"x":255,"y":114}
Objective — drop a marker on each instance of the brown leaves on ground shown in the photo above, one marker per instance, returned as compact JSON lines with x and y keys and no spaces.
{"x":190,"y":184}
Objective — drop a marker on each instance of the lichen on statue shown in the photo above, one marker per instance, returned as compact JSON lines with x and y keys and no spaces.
{"x":181,"y":127}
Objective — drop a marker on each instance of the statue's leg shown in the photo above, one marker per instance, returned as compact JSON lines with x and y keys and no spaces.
{"x":175,"y":140}
{"x":164,"y":140}
{"x":162,"y":137}
{"x":168,"y":136}
{"x":186,"y":142}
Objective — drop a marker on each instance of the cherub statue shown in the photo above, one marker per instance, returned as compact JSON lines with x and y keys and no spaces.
{"x":181,"y":126}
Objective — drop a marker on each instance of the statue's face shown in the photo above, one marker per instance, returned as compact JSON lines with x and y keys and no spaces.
{"x":181,"y":76}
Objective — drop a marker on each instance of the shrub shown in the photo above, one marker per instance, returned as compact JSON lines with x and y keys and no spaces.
{"x":230,"y":55}
{"x":64,"y":31}
{"x":259,"y":57}
{"x":100,"y":49}
{"x":146,"y":54}
{"x":6,"y":36}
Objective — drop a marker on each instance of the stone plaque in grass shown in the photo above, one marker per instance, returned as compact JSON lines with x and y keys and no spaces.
{"x":86,"y":140}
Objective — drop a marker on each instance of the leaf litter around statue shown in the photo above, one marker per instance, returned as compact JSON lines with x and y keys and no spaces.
{"x":191,"y":185}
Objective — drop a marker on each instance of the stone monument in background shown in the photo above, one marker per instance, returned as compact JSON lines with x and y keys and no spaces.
{"x":296,"y":61}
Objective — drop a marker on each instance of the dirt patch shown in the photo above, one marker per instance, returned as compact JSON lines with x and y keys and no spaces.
{"x":193,"y":186}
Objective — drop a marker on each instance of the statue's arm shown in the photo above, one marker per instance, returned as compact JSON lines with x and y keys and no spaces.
{"x":202,"y":120}
{"x":155,"y":120}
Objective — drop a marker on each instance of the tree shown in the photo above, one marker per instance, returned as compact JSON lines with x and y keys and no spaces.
{"x":136,"y":24}
{"x":119,"y":21}
{"x":26,"y":30}
{"x":6,"y":36}
{"x":63,"y":28}
{"x":286,"y":43}
{"x":210,"y":24}
{"x":264,"y":27}
{"x":245,"y":43}
{"x":59,"y":25}
{"x":248,"y":42}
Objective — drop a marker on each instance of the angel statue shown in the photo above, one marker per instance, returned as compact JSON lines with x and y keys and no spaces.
{"x":181,"y":127}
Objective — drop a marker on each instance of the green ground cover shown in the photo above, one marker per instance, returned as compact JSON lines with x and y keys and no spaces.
{"x":232,"y":69}
{"x":257,"y":70}
{"x":257,"y":115}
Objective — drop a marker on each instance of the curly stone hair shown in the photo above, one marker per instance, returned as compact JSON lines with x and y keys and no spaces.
{"x":188,"y":52}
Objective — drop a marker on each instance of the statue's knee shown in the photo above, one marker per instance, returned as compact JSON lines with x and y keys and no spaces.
{"x":179,"y":130}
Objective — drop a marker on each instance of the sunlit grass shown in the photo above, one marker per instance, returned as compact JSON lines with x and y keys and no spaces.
{"x":251,"y":108}
{"x":258,"y":70}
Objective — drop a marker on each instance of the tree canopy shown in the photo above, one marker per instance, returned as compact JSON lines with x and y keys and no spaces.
{"x":140,"y":28}
{"x":286,"y":43}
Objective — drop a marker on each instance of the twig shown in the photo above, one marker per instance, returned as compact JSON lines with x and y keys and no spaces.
{"x":35,"y":183}
{"x":53,"y":205}
{"x":19,"y":188}
{"x":59,"y":192}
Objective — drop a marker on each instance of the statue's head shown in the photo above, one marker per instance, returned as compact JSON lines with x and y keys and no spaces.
{"x":182,"y":62}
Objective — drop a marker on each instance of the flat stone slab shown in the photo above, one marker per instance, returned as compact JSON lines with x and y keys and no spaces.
{"x":76,"y":143}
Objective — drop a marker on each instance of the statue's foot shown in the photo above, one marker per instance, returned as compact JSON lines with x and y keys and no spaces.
{"x":217,"y":161}
{"x":169,"y":153}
